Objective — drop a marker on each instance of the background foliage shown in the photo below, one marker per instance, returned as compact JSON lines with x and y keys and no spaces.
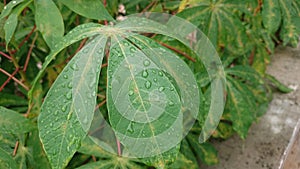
{"x":244,"y":33}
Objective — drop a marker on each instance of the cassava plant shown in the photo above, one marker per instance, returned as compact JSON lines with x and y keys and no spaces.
{"x":134,"y":84}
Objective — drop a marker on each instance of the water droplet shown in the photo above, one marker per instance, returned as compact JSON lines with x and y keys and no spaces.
{"x":160,"y":89}
{"x":56,"y":113}
{"x":64,"y":108}
{"x":14,"y":2}
{"x":66,"y":76}
{"x":146,"y":63}
{"x":100,"y":51}
{"x":171,"y":103}
{"x":169,"y":133}
{"x":130,"y":128}
{"x":74,"y":66}
{"x":92,"y":84}
{"x":160,"y":73}
{"x":130,"y":93}
{"x":172,"y":88}
{"x":69,"y":96}
{"x":155,"y":80}
{"x":126,"y":43}
{"x":70,"y":85}
{"x":145,"y":74}
{"x":94,"y":94}
{"x":148,"y":84}
{"x":51,"y":124}
{"x":85,"y":120}
{"x":132,"y":49}
{"x":85,"y":50}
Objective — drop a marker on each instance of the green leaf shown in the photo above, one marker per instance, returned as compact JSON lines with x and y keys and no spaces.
{"x":78,"y":33}
{"x":89,"y":146}
{"x":246,"y":73}
{"x":271,"y":15}
{"x":12,"y":21}
{"x":92,"y":9}
{"x":223,"y":131}
{"x":179,"y":29}
{"x":260,"y":60}
{"x":39,"y":158}
{"x":49,"y":21}
{"x":241,"y":113}
{"x":291,"y":23}
{"x":182,"y":162}
{"x":135,"y":85}
{"x":68,"y":108}
{"x":11,"y":100}
{"x":205,"y":151}
{"x":13,"y":122}
{"x":117,"y":162}
{"x":7,"y":9}
{"x":220,"y":24}
{"x":149,"y":78}
{"x":6,"y":160}
{"x":281,"y":87}
{"x":187,"y":150}
{"x":10,"y":26}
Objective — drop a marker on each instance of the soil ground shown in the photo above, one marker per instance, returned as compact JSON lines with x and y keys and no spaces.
{"x":268,"y":138}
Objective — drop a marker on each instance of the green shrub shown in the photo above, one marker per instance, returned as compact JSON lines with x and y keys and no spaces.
{"x":55,"y":51}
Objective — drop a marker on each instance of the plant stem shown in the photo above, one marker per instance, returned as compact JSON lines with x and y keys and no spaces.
{"x":29,"y":53}
{"x":15,"y":79}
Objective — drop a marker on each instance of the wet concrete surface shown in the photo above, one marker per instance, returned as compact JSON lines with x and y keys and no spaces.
{"x":269,"y":137}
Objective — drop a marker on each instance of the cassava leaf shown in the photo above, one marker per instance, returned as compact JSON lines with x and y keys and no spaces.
{"x":180,"y":30}
{"x":8,"y":8}
{"x":117,"y":162}
{"x":291,"y":23}
{"x":35,"y":147}
{"x":93,"y":9}
{"x":241,"y":113}
{"x":90,"y":147}
{"x":245,"y":73}
{"x":271,"y":15}
{"x":139,"y":90}
{"x":281,"y":87}
{"x":68,"y":108}
{"x":205,"y":151}
{"x":219,"y":23}
{"x":10,"y":26}
{"x":49,"y":21}
{"x":11,"y":100}
{"x":182,"y":162}
{"x":6,"y":160}
{"x":12,"y":21}
{"x":78,"y":33}
{"x":13,"y":122}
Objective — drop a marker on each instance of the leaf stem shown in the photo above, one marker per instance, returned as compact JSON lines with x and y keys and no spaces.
{"x":119,"y":147}
{"x":16,"y":148}
{"x":100,"y":104}
{"x":29,"y":53}
{"x":27,"y":37}
{"x":15,"y":79}
{"x":178,"y":51}
{"x":5,"y":55}
{"x":8,"y":79}
{"x":258,"y":8}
